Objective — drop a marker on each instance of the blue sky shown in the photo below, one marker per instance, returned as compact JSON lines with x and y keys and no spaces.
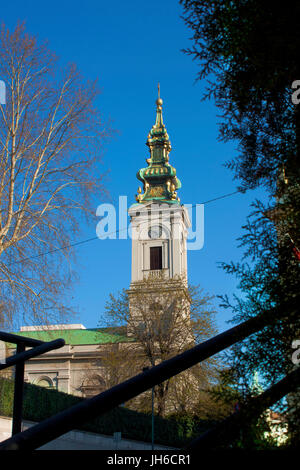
{"x":130,"y":47}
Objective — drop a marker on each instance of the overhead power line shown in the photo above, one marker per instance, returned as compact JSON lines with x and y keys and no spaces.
{"x":112,"y":233}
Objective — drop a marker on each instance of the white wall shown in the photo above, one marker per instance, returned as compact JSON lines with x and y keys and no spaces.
{"x":80,"y":440}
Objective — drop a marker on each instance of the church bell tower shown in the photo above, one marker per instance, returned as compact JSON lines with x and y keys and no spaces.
{"x":159,"y":222}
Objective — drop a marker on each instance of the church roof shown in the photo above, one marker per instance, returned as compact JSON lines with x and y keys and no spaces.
{"x":80,"y":336}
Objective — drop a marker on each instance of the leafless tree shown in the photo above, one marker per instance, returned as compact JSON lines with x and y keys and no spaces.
{"x":51,"y":138}
{"x":162,"y":319}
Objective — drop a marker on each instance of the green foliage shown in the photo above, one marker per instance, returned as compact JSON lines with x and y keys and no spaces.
{"x":248,"y":50}
{"x":255,"y":434}
{"x":41,"y":403}
{"x":253,"y":437}
{"x":189,"y":426}
{"x":6,"y":397}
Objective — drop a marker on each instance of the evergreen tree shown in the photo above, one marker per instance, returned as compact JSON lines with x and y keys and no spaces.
{"x":248,"y":50}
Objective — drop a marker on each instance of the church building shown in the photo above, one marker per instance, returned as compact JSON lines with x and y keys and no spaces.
{"x":159,"y":225}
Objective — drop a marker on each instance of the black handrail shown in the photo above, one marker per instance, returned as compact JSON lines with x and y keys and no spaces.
{"x":22,"y":355}
{"x":65,"y":421}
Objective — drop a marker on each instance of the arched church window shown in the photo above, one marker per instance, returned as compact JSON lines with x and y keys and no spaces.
{"x":93,"y":385}
{"x":44,"y":382}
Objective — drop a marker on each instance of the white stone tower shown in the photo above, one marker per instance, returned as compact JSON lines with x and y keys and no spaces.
{"x":159,"y":221}
{"x":159,"y":233}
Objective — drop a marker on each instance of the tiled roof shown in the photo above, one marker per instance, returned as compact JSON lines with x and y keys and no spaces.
{"x":80,"y":336}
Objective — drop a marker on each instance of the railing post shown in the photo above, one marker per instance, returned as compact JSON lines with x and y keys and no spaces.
{"x":18,"y":393}
{"x":152,"y":406}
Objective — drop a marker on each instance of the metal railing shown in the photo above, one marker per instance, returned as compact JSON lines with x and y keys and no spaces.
{"x":69,"y":419}
{"x":37,"y":348}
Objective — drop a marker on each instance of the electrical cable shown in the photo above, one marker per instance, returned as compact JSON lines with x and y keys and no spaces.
{"x":113,"y":233}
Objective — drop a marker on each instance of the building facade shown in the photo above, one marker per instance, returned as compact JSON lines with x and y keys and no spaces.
{"x":76,"y":368}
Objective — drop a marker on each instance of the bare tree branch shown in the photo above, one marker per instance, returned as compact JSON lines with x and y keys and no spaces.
{"x":50,"y":146}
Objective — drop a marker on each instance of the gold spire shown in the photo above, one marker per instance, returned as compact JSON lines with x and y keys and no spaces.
{"x":159,"y":178}
{"x":159,"y":101}
{"x":159,"y":119}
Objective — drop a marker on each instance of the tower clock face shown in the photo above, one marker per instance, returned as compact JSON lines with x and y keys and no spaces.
{"x":155,"y":232}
